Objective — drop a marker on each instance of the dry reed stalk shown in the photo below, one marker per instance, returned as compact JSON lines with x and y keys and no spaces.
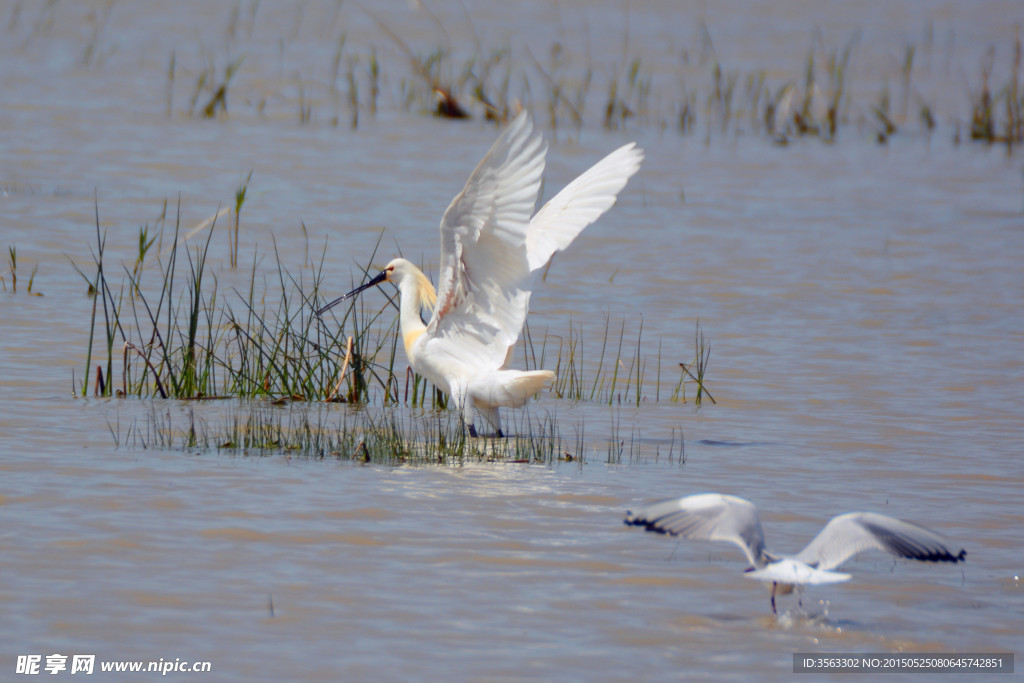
{"x":344,"y":369}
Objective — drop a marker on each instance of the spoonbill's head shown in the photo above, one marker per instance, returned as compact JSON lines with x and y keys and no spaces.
{"x":398,"y":271}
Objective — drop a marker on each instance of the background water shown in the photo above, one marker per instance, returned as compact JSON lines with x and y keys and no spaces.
{"x":863,"y":304}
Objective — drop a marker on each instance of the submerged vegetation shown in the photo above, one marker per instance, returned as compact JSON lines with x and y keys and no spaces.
{"x":9,"y":279}
{"x":694,"y":91}
{"x":167,"y":330}
{"x":341,"y":63}
{"x":384,"y":435}
{"x":986,"y":124}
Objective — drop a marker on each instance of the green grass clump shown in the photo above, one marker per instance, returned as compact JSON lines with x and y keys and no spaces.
{"x":12,"y":273}
{"x":695,"y":371}
{"x":612,"y":379}
{"x":986,"y":105}
{"x":184,"y":338}
{"x":168,"y":330}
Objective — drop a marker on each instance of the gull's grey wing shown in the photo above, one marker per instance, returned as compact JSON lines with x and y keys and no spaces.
{"x":854,"y":532}
{"x":707,"y":516}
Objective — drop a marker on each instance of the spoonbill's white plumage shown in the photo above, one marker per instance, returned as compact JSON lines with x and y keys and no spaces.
{"x":492,"y":248}
{"x":720,"y":517}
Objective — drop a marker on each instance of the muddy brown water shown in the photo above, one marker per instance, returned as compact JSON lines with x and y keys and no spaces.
{"x":863,"y":303}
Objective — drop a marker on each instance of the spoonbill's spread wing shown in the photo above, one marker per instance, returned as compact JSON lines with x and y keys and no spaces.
{"x":483,"y":290}
{"x":707,"y":516}
{"x":579,"y":204}
{"x":790,"y":571}
{"x":491,"y":248}
{"x":846,"y":535}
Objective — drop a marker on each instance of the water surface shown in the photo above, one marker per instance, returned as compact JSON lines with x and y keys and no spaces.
{"x":863,"y":304}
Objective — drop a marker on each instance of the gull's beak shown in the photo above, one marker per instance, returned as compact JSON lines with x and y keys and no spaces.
{"x":377,"y":279}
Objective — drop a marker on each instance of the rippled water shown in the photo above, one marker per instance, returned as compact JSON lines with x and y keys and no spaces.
{"x":863,"y":303}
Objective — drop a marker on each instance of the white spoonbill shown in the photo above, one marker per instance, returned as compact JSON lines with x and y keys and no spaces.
{"x":491,"y":253}
{"x":719,"y":517}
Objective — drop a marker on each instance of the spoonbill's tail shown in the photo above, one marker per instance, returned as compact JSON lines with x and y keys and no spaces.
{"x":510,"y":388}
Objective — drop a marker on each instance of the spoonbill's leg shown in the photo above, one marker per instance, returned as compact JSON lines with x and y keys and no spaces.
{"x":491,"y":416}
{"x":464,"y":404}
{"x":775,"y":585}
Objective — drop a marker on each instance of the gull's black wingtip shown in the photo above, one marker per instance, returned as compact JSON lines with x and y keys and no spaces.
{"x":946,"y":556}
{"x":641,"y":520}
